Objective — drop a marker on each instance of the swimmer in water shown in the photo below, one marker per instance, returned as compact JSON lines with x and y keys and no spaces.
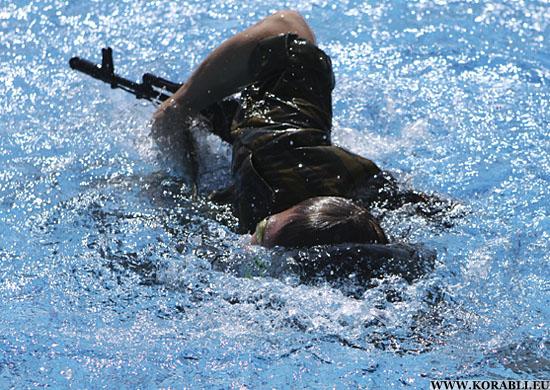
{"x":291,"y":186}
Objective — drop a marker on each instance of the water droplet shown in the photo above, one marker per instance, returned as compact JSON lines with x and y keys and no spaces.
{"x":68,"y":373}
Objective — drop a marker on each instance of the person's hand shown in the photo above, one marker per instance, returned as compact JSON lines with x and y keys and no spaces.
{"x":168,"y":119}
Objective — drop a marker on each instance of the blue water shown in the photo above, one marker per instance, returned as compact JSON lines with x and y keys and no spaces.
{"x":105,"y":273}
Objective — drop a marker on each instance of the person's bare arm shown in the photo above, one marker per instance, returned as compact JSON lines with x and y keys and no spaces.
{"x":224,"y":71}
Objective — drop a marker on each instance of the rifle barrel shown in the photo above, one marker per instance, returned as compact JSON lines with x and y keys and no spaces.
{"x":97,"y":72}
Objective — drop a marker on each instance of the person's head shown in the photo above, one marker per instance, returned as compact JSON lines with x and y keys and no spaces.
{"x":318,"y":221}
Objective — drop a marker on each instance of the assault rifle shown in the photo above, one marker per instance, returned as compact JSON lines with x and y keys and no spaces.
{"x":151,"y":88}
{"x":154,"y":89}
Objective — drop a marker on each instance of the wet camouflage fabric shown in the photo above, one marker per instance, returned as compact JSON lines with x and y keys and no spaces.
{"x":282,"y":153}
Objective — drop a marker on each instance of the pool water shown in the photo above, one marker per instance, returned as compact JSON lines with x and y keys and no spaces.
{"x":105,"y":259}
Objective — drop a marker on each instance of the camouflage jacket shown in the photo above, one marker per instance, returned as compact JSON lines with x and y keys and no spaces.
{"x":282,"y":153}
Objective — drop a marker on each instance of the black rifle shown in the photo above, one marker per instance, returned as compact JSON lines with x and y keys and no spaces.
{"x":151,"y":88}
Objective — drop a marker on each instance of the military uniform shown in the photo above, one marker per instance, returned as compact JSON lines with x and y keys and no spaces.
{"x":282,"y":152}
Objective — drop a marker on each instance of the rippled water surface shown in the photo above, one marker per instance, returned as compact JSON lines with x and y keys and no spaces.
{"x":105,"y":274}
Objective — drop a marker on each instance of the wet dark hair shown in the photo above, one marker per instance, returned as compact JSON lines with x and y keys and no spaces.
{"x":329,"y":220}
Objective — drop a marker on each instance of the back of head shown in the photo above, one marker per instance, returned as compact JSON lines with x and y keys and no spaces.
{"x":329,"y":220}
